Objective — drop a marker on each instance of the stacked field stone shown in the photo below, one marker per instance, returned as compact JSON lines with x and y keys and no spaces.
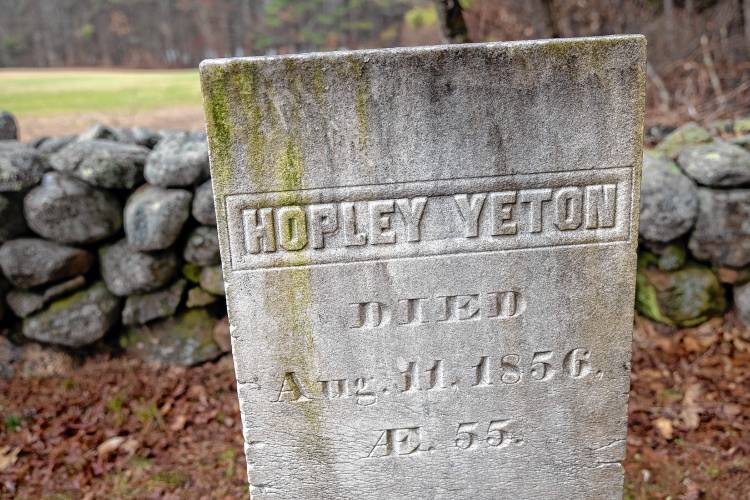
{"x":111,"y":234}
{"x":694,"y":257}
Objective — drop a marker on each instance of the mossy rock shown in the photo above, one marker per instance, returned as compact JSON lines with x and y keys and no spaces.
{"x":185,"y":339}
{"x":685,"y":297}
{"x":689,"y":134}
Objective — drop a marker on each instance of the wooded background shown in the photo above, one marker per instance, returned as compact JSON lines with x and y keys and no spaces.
{"x":699,"y":62}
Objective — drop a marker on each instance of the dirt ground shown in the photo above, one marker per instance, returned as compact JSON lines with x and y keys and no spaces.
{"x":178,"y":117}
{"x":116,"y":428}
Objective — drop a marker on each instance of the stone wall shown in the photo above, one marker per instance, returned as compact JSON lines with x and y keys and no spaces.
{"x":109,"y":242}
{"x":109,"y":239}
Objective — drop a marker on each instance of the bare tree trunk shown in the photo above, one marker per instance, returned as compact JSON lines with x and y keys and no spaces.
{"x":553,"y":28}
{"x":746,"y":21}
{"x":452,"y":23}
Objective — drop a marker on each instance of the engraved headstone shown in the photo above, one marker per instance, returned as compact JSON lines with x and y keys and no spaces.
{"x":429,"y":257}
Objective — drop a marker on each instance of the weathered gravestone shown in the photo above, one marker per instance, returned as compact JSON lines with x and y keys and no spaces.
{"x":429,"y":257}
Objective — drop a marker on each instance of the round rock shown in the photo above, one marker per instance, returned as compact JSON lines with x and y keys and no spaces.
{"x":29,"y":262}
{"x":154,"y":217}
{"x":76,"y":320}
{"x":202,"y":246}
{"x":718,"y":164}
{"x":179,"y":159}
{"x":102,"y":163}
{"x":8,"y":127}
{"x":68,"y":210}
{"x":721,"y":232}
{"x":21,"y":166}
{"x":185,"y":339}
{"x":669,"y":203}
{"x":211,"y":280}
{"x":127,"y":271}
{"x":203,"y":204}
{"x":144,"y":307}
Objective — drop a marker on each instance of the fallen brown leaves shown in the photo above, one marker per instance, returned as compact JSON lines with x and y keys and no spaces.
{"x":689,"y":432}
{"x":117,"y":428}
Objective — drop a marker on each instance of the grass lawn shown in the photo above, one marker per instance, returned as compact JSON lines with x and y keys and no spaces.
{"x":45,"y":92}
{"x":52,"y":102}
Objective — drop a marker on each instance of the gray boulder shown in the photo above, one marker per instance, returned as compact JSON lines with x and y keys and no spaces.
{"x":142,"y":308}
{"x":25,"y":302}
{"x":688,"y":134}
{"x":76,"y":320}
{"x":140,"y":136}
{"x":154,"y":217}
{"x":68,"y":210}
{"x":11,"y":215}
{"x":198,"y":297}
{"x":127,"y":271}
{"x":50,"y":145}
{"x":102,"y":163}
{"x":718,"y":164}
{"x":185,"y":339}
{"x":669,"y":203}
{"x":211,"y":280}
{"x":8,"y":127}
{"x":203,"y":204}
{"x":21,"y":166}
{"x":30,"y":262}
{"x":179,"y":159}
{"x":202,"y":246}
{"x":722,"y":230}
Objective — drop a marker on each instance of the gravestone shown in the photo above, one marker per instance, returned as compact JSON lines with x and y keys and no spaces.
{"x":429,"y":257}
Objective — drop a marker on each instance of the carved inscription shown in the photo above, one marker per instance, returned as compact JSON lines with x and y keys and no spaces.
{"x":415,"y":376}
{"x":428,"y":218}
{"x":437,"y":309}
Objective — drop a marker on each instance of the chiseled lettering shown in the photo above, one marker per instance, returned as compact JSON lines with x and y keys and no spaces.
{"x":396,"y":442}
{"x":470,"y":208}
{"x":501,"y":205}
{"x":412,"y":212}
{"x":600,"y":202}
{"x":259,"y":230}
{"x":568,"y":208}
{"x":323,"y":221}
{"x":351,"y":237}
{"x":535,"y":199}
{"x":380,"y":222}
{"x":292,"y":228}
{"x":291,"y":389}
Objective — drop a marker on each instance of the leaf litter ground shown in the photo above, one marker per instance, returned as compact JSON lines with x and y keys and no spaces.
{"x":118,"y":428}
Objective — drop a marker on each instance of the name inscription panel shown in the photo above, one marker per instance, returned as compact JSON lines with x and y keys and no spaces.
{"x":429,"y":257}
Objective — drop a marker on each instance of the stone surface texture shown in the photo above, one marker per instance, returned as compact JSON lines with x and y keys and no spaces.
{"x":30,"y":262}
{"x":717,"y":164}
{"x":430,"y":264}
{"x":76,"y":320}
{"x":669,"y":200}
{"x":8,"y":127}
{"x":142,"y":308}
{"x":127,"y":271}
{"x":154,"y":217}
{"x":21,"y":166}
{"x":202,"y":246}
{"x":184,"y":339}
{"x":203,"y":204}
{"x":179,"y":159}
{"x":102,"y":163}
{"x":68,"y":210}
{"x":722,"y":229}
